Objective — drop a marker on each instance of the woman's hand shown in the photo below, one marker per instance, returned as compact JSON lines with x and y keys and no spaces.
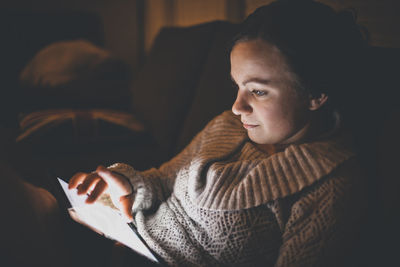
{"x":96,"y":183}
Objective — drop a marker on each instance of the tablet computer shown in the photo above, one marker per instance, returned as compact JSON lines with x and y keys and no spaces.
{"x":106,"y":221}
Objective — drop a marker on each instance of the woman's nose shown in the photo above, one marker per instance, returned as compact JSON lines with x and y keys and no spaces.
{"x":241,"y":105}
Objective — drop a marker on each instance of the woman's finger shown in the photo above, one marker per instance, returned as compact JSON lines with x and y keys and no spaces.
{"x":76,"y":180}
{"x":88,"y":183}
{"x":100,"y":187}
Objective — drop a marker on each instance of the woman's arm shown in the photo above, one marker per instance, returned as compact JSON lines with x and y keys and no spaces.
{"x":131,"y":190}
{"x":156,"y":185}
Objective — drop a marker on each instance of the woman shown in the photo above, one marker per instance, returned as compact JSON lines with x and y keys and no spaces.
{"x":275,"y":181}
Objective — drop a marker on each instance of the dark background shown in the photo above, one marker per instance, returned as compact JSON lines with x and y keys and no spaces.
{"x":130,"y":26}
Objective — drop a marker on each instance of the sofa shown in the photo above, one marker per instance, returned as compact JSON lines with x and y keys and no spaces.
{"x":183,"y":84}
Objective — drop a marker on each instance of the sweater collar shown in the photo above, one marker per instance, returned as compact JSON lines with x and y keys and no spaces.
{"x":248,"y":183}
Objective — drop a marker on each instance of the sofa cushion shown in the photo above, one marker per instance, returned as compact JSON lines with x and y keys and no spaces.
{"x":162,"y":92}
{"x":214,"y":91}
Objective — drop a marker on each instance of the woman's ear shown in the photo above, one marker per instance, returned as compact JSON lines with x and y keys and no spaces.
{"x":317,"y":102}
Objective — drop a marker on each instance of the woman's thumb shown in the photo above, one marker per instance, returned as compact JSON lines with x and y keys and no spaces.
{"x":126,"y":207}
{"x":114,"y":180}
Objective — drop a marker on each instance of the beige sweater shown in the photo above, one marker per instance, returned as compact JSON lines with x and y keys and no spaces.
{"x":224,"y":202}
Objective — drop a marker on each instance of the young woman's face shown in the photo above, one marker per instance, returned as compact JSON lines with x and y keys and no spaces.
{"x":270,"y":108}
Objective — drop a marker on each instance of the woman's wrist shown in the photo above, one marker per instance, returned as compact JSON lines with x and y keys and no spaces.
{"x":142,"y":189}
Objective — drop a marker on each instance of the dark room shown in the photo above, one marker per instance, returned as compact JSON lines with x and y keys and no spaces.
{"x":199,"y":133}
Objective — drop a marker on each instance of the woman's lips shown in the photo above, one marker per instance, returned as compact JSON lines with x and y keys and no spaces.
{"x":249,"y":126}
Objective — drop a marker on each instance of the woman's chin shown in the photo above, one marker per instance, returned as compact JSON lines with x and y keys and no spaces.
{"x":260,"y":140}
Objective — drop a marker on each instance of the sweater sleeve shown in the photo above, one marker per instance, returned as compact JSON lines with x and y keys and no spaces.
{"x":155,"y":185}
{"x":323,"y":225}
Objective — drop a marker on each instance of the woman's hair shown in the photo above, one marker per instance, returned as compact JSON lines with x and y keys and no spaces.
{"x":323,"y":47}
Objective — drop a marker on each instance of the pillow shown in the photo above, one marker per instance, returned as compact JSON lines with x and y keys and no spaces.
{"x":74,"y":74}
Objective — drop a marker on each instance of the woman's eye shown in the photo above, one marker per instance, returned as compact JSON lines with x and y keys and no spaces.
{"x":258,"y":92}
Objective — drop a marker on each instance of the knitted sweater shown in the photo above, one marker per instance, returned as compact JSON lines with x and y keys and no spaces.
{"x":224,"y":202}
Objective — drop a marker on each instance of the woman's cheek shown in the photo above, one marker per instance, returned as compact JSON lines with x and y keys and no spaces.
{"x":279,"y":122}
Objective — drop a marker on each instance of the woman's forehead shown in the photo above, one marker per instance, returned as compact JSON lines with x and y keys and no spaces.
{"x":259,"y":59}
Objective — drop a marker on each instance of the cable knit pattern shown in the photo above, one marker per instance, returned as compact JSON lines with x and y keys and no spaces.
{"x":222,"y":201}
